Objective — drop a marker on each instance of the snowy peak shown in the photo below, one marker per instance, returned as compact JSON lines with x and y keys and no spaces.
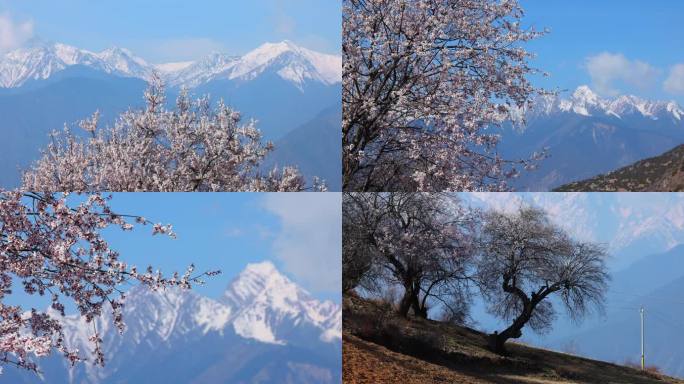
{"x":260,"y":304}
{"x":293,"y":63}
{"x":289,"y":61}
{"x":584,"y":94}
{"x":586,"y":102}
{"x":260,"y":279}
{"x":582,"y":102}
{"x":675,"y":110}
{"x":263,"y":302}
{"x":125,"y":62}
{"x":41,"y":60}
{"x":269,"y":51}
{"x":38,"y":62}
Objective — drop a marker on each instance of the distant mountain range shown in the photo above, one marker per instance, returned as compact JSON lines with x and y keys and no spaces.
{"x":265,"y":329}
{"x":321,"y":137}
{"x":46,"y":85}
{"x":586,"y":135}
{"x":40,"y":60}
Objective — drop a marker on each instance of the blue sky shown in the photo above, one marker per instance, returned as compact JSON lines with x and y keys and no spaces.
{"x":634,"y":45}
{"x":176,"y":30}
{"x":300,"y":233}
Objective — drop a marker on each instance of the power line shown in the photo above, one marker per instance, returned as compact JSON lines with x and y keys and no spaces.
{"x":641,"y":311}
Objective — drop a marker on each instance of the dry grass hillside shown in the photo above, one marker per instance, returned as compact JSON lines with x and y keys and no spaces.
{"x":661,"y":173}
{"x":380,"y":347}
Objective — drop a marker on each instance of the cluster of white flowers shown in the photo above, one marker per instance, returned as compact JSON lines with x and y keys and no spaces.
{"x":192,"y":148}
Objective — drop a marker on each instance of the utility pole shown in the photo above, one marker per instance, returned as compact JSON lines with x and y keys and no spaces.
{"x":642,"y":337}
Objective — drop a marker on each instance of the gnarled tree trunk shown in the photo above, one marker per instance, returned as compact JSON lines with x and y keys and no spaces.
{"x":497,"y":340}
{"x":410,"y":295}
{"x":412,"y":301}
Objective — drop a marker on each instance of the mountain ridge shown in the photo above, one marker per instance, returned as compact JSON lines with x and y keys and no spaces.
{"x":629,"y":225}
{"x":259,"y":287}
{"x":41,"y":60}
{"x":584,"y":101}
{"x":662,"y":173}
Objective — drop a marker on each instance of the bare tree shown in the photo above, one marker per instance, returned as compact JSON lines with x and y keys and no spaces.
{"x":422,"y":79}
{"x":525,"y":259}
{"x":421,"y":242}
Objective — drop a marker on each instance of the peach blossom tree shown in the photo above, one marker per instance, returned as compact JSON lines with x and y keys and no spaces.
{"x":53,"y":247}
{"x":423,"y":81}
{"x":194,"y":147}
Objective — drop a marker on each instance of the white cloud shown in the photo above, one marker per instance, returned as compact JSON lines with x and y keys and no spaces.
{"x":310,"y":241}
{"x":675,"y":81}
{"x":607,"y":68}
{"x":13,"y":34}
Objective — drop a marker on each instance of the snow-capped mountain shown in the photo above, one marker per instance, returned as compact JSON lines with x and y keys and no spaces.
{"x":40,"y":61}
{"x":293,"y":63}
{"x":261,"y":299}
{"x":289,"y":61}
{"x":586,"y":135}
{"x":262,"y":313}
{"x":259,"y":304}
{"x":585,"y":102}
{"x":281,"y":85}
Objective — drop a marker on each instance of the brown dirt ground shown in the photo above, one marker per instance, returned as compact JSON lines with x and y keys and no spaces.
{"x":458,"y":355}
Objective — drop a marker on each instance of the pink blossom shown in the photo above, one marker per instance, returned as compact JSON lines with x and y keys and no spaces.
{"x":191,"y":148}
{"x":51,"y":247}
